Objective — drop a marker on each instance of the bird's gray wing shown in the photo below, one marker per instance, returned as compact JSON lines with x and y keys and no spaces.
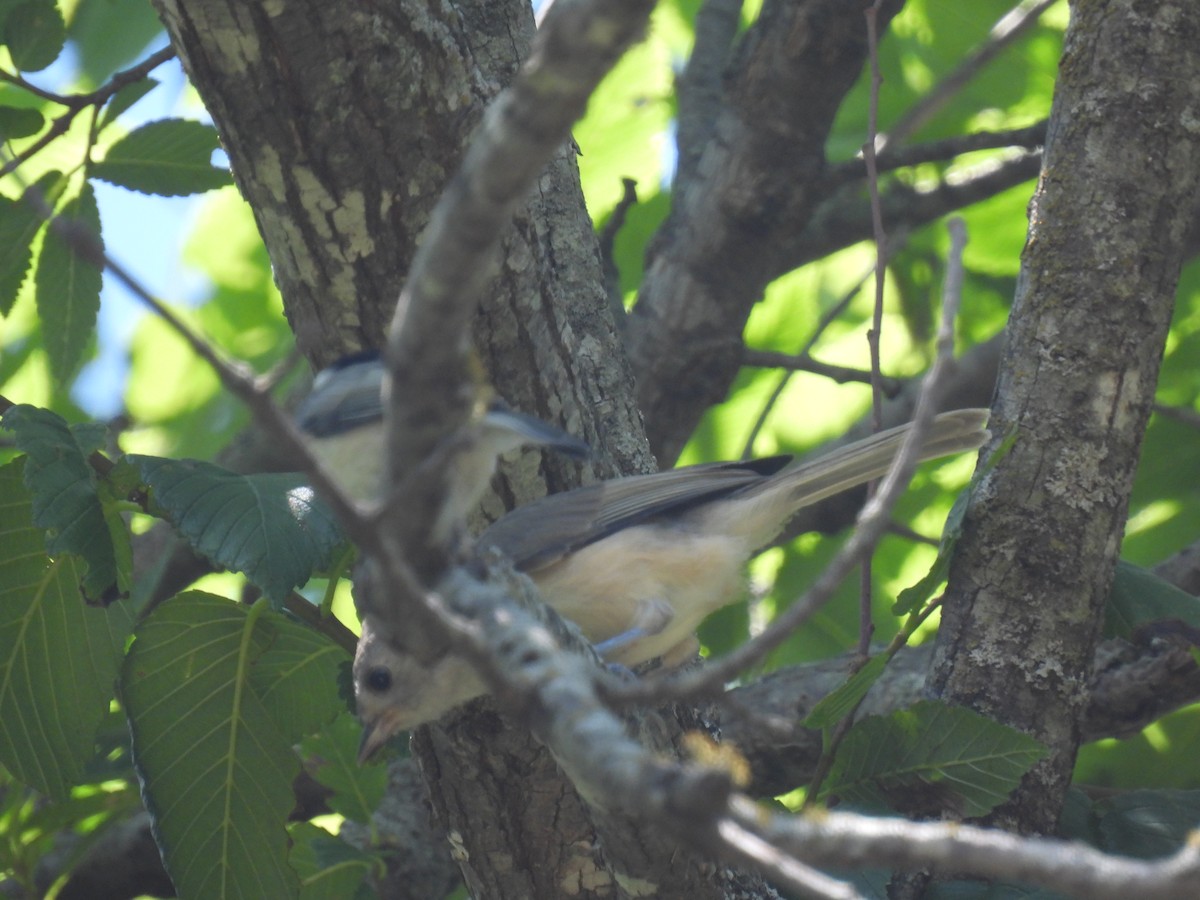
{"x":543,"y":532}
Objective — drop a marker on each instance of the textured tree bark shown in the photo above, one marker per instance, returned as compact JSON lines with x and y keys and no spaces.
{"x":757,"y":181}
{"x":1099,"y":272}
{"x":356,"y":118}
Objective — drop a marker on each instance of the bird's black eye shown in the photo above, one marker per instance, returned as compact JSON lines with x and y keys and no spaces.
{"x":379,"y":680}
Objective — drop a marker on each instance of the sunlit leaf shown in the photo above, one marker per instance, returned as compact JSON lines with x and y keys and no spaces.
{"x":68,"y":286}
{"x":18,"y":122}
{"x":35,"y":33}
{"x":170,"y":157}
{"x":18,"y":225}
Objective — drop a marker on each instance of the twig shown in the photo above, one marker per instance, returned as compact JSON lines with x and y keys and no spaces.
{"x":79,"y":102}
{"x":826,"y":320}
{"x":952,"y":300}
{"x":900,"y":530}
{"x":771,"y":359}
{"x":845,"y":217}
{"x":866,"y":627}
{"x":782,"y":867}
{"x":428,"y":344}
{"x":575,"y":47}
{"x":1183,"y":414}
{"x":17,"y":81}
{"x":607,"y":240}
{"x":842,"y":839}
{"x":299,"y":606}
{"x":1029,"y":138}
{"x":872,"y":13}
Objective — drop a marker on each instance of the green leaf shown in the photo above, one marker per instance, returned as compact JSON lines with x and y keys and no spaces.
{"x":19,"y":122}
{"x":332,"y":755}
{"x":68,"y":286}
{"x":58,"y":657}
{"x":170,"y":157}
{"x":330,"y":868}
{"x":35,"y":34}
{"x":838,"y":704}
{"x":272,"y":528}
{"x":110,"y":35}
{"x":125,"y":98}
{"x":216,"y":772}
{"x":67,"y":501}
{"x":931,"y":755}
{"x":6,"y":6}
{"x":1138,"y":597}
{"x":18,"y":226}
{"x":297,"y":679}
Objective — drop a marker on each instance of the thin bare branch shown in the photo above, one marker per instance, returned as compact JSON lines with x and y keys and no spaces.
{"x":771,"y":359}
{"x":77,"y":103}
{"x":1030,"y":138}
{"x":845,"y":218}
{"x":852,"y":840}
{"x":1184,"y":414}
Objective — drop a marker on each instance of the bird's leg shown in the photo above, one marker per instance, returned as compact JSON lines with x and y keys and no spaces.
{"x":652,"y":617}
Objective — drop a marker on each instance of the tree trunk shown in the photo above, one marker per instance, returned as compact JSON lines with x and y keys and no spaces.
{"x":1085,"y":338}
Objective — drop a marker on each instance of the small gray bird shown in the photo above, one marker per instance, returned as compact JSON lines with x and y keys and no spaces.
{"x":342,"y":418}
{"x":638,"y":562}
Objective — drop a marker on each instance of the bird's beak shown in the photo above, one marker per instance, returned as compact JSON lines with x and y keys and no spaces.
{"x":378,"y":732}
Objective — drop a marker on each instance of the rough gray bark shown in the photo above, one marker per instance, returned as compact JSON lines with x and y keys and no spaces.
{"x":357,"y":119}
{"x":1100,"y":267}
{"x":759,"y":177}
